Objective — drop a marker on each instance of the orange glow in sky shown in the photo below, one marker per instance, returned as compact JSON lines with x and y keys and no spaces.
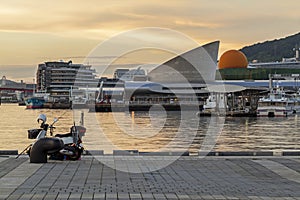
{"x":35,"y":31}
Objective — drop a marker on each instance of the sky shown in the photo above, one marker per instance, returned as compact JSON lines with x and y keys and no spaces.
{"x":34,"y":31}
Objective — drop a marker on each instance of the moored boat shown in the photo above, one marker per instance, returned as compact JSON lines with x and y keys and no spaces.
{"x":276,"y":104}
{"x":34,"y":102}
{"x":296,"y":98}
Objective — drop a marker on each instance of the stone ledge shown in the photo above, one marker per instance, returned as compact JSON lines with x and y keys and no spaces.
{"x":8,"y":152}
{"x":171,"y":153}
{"x":125,"y":152}
{"x":291,"y":153}
{"x":94,"y":152}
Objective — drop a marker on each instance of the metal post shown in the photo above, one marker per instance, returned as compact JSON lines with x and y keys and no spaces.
{"x":270,"y":81}
{"x":82,"y":119}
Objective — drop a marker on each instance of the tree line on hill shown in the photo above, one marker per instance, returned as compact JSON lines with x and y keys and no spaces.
{"x":271,"y":51}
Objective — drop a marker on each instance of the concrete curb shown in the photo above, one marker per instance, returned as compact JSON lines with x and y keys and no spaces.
{"x":186,"y":153}
{"x":177,"y":153}
{"x":8,"y":152}
{"x":94,"y":152}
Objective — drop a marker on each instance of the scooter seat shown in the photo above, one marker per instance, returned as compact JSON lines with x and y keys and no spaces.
{"x":63,"y":135}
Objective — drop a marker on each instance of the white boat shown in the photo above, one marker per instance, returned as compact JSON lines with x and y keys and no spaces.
{"x":82,"y":97}
{"x":80,"y":102}
{"x":276,"y":104}
{"x":215,"y":102}
{"x":296,"y":98}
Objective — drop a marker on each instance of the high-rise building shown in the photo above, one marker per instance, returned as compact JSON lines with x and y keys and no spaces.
{"x":58,"y":78}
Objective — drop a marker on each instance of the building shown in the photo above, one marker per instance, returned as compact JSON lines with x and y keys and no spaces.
{"x":59,"y":78}
{"x":119,"y":73}
{"x":11,"y":91}
{"x":195,"y":66}
{"x":138,"y":74}
{"x":177,"y":83}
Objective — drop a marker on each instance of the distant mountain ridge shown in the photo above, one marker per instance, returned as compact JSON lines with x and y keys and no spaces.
{"x":274,"y":50}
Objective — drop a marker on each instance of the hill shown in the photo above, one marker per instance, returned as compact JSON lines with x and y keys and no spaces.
{"x":273,"y":50}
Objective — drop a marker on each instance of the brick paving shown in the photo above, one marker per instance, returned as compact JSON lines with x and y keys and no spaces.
{"x":188,"y":177}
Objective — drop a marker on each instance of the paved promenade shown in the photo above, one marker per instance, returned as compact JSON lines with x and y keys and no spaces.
{"x":189,"y":177}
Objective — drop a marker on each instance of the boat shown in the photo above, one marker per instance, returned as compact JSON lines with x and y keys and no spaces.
{"x":296,"y":98}
{"x":58,"y":104}
{"x":215,"y":104}
{"x":38,"y":100}
{"x":101,"y":106}
{"x":34,"y":102}
{"x":79,"y":103}
{"x":21,"y":103}
{"x":276,"y":104}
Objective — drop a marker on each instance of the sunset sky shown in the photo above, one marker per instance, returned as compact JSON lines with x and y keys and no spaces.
{"x":34,"y":31}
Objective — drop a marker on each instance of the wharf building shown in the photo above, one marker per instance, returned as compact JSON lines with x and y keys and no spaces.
{"x":175,"y":84}
{"x":60,"y":78}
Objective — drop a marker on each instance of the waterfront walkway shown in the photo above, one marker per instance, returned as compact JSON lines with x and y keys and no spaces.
{"x":189,"y":177}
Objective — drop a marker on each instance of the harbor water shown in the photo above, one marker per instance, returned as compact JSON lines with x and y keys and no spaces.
{"x":156,"y":131}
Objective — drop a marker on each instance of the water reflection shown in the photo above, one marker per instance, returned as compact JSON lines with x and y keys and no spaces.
{"x":259,"y":134}
{"x":157,"y":131}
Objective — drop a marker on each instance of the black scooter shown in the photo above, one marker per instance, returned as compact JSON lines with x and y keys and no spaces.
{"x":60,"y":147}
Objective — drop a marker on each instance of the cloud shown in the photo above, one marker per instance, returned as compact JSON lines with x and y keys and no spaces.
{"x":18,"y":72}
{"x":196,"y":24}
{"x":59,"y":17}
{"x":33,"y":29}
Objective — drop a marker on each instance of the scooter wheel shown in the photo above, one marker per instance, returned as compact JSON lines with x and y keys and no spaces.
{"x":77,"y":153}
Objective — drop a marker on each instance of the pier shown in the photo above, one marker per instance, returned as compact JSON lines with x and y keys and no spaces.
{"x":188,"y":177}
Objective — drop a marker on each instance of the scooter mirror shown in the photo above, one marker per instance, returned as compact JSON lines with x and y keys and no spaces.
{"x":55,"y":120}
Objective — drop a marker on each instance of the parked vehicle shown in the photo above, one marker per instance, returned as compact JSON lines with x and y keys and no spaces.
{"x":60,"y":147}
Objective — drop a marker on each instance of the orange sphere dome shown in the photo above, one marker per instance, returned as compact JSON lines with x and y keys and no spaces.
{"x":233,"y":59}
